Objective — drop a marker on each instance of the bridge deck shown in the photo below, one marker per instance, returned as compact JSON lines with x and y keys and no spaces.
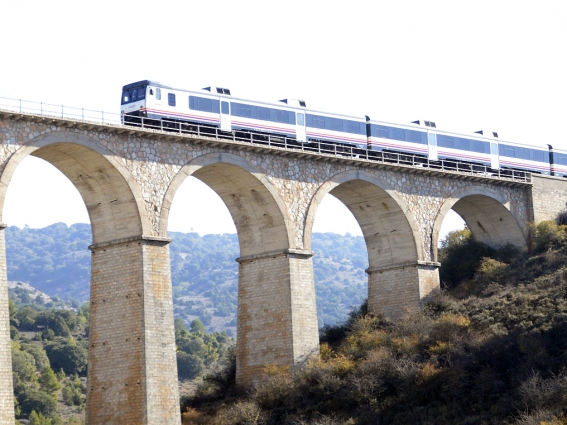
{"x":274,"y":144}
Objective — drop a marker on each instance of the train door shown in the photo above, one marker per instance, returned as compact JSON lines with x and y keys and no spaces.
{"x":225,"y":123}
{"x":494,"y":160}
{"x":300,"y":131}
{"x":432,"y":146}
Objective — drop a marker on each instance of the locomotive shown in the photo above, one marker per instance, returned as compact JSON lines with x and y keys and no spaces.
{"x":215,"y":108}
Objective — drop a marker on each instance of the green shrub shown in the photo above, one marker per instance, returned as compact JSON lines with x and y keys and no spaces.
{"x":460,"y":256}
{"x":39,"y":401}
{"x":38,"y":353}
{"x":189,"y":366}
{"x":72,"y":358}
{"x":548,"y":235}
{"x":14,"y":334}
{"x":490,"y":271}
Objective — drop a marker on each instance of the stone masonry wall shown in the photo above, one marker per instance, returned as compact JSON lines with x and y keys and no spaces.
{"x":398,"y":291}
{"x":303,"y":308}
{"x":160,"y":359}
{"x":6,"y":392}
{"x":277,"y":317}
{"x":129,"y":340}
{"x":116,"y":374}
{"x":548,"y":197}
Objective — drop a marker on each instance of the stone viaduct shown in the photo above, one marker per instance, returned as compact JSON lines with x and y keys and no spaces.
{"x":128,"y":178}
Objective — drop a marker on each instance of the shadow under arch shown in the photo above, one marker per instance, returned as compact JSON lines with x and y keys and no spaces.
{"x":260,"y":216}
{"x":398,"y":278}
{"x":390,"y":232}
{"x":487,"y":214}
{"x":113,"y":199}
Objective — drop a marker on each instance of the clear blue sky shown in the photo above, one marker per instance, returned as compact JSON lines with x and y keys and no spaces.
{"x":495,"y":65}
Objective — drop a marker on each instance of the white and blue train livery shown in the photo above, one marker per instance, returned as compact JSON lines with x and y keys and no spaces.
{"x":558,"y":160}
{"x":518,"y":156}
{"x":215,"y":108}
{"x":334,"y":128}
{"x":466,"y":149}
{"x":398,"y":138}
{"x":213,"y":105}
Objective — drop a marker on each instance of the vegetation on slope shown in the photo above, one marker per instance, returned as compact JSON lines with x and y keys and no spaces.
{"x":56,"y":260}
{"x":49,"y":361}
{"x":49,"y":357}
{"x":490,"y":349}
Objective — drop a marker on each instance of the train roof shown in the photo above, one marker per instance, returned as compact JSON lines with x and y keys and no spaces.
{"x":147,"y":83}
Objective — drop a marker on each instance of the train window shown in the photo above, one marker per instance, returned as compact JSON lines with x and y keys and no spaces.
{"x":134,"y":95}
{"x":494,"y":149}
{"x":537,"y":155}
{"x":241,"y":110}
{"x":432,"y":139}
{"x":445,"y":141}
{"x":224,"y":107}
{"x":318,"y":122}
{"x":334,"y":124}
{"x":141,"y":93}
{"x":379,"y":131}
{"x":353,"y":127}
{"x":158,"y":94}
{"x":462,"y":144}
{"x":559,"y":158}
{"x":479,"y":146}
{"x":506,"y":150}
{"x":397,"y":134}
{"x":522,"y":153}
{"x":416,"y":137}
{"x":282,"y":116}
{"x":125,"y":97}
{"x":171,"y":99}
{"x":300,"y":119}
{"x":263,"y":113}
{"x":204,"y":104}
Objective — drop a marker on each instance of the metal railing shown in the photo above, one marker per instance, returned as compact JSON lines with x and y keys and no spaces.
{"x":338,"y":151}
{"x":59,"y":111}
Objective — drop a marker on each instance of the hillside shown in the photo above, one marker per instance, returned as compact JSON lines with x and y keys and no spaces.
{"x":50,"y":355}
{"x":56,"y":261}
{"x":490,"y":349}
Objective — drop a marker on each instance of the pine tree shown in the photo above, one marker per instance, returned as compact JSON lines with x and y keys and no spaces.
{"x":61,"y":374}
{"x":48,"y":381}
{"x":34,"y":418}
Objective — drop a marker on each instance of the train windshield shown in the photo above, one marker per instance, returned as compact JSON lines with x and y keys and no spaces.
{"x":133,"y":94}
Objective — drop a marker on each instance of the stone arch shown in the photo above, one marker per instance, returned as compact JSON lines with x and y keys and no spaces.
{"x":487,"y":213}
{"x":390,"y":231}
{"x":260,"y":216}
{"x":277,"y":317}
{"x":112,"y":197}
{"x":398,"y":278}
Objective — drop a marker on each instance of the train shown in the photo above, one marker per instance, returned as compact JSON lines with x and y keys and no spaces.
{"x":215,"y":107}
